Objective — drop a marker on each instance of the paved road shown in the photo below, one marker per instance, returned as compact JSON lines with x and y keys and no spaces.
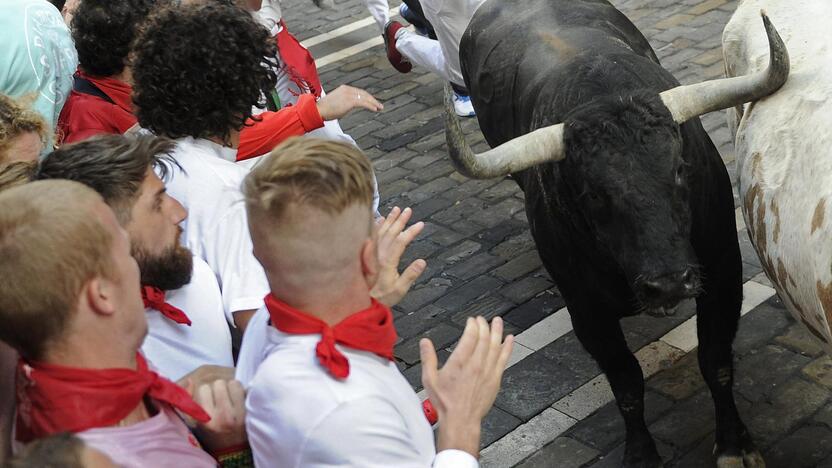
{"x":555,"y":409}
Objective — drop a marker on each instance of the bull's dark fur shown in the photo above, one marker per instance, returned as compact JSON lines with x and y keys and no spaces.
{"x":636,"y":197}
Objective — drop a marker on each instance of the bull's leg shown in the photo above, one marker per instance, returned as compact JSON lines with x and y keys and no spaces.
{"x":718,"y":313}
{"x":604,"y":340}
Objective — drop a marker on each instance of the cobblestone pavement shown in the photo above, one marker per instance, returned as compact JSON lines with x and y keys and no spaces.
{"x":555,"y":409}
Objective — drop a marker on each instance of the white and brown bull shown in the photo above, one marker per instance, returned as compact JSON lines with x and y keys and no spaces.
{"x":784,"y":154}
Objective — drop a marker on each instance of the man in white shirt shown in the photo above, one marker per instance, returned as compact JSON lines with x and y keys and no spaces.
{"x":327,"y":391}
{"x":203,"y":105}
{"x":187,"y":325}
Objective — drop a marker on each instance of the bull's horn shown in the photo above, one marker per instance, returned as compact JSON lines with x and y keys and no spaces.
{"x":542,"y":145}
{"x":687,"y":102}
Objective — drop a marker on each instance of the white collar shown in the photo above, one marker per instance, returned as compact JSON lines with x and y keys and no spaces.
{"x":223,"y":152}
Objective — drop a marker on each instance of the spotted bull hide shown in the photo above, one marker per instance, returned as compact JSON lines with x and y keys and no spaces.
{"x":784,"y":153}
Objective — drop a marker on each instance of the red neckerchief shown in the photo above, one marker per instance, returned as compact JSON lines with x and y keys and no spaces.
{"x":298,"y":62}
{"x":52,"y":399}
{"x":117,"y":90}
{"x":368,"y":330}
{"x":154,"y":298}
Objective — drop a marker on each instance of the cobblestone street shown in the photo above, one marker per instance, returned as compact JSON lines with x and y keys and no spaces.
{"x":555,"y":409}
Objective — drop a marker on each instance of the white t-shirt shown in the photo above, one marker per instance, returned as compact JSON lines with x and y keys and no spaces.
{"x":176,"y":349}
{"x":297,"y":415}
{"x":216,"y":229}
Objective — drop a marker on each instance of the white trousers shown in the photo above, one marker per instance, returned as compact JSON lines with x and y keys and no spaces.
{"x":423,"y":52}
{"x":380,"y":11}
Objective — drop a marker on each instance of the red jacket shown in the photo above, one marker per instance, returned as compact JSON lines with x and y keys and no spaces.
{"x":85,"y":115}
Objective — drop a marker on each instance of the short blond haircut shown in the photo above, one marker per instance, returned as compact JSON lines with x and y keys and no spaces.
{"x":52,"y":243}
{"x":16,"y":119}
{"x":16,"y":173}
{"x":324,"y":174}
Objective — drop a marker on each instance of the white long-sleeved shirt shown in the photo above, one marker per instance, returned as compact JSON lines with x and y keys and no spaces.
{"x":300,"y":416}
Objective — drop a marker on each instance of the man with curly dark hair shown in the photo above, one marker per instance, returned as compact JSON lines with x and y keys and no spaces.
{"x":198,"y":72}
{"x":100,"y":101}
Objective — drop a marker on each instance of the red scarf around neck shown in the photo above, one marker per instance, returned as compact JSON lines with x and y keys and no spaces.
{"x":52,"y":399}
{"x":370,"y":330}
{"x":154,"y":298}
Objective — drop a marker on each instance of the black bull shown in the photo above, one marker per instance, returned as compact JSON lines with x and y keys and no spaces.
{"x":638,"y":215}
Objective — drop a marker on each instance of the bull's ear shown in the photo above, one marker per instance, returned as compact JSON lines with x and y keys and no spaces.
{"x":687,"y":102}
{"x":537,"y":147}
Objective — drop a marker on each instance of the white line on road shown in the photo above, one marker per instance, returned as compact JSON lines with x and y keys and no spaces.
{"x":346,"y":29}
{"x":348,"y":51}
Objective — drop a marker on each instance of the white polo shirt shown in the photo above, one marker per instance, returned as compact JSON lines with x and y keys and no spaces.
{"x":297,"y":415}
{"x":216,"y":230}
{"x":176,"y":349}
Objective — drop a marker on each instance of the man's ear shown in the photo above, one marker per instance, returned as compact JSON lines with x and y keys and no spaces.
{"x":100,"y":294}
{"x":369,"y":261}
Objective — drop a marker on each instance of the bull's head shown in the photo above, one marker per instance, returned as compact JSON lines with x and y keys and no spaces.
{"x":626,"y":158}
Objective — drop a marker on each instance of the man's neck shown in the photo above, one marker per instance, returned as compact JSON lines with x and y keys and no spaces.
{"x":332,"y":306}
{"x":233,"y":139}
{"x":91,"y":357}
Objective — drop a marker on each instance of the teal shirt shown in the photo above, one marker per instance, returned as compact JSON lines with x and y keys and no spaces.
{"x":37,"y":56}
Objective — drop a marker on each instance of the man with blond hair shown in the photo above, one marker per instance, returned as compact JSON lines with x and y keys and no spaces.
{"x":323,"y":389}
{"x":70,"y":305}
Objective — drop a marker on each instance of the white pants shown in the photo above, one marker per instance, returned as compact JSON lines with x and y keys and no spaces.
{"x":424,"y":52}
{"x":380,"y":11}
{"x":449,"y":19}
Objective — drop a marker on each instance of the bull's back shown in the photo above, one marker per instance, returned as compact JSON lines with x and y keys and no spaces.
{"x":520,"y":59}
{"x":784,"y":157}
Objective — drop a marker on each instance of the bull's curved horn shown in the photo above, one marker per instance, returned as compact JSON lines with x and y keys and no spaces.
{"x":542,"y":145}
{"x":687,"y":102}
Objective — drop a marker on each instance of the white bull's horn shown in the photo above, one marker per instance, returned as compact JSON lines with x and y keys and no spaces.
{"x":542,"y":145}
{"x":687,"y":102}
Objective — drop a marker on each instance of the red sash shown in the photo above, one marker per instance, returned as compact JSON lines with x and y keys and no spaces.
{"x":298,"y":63}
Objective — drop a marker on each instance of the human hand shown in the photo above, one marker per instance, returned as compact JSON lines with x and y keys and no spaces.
{"x":340,"y":102}
{"x":224,"y":400}
{"x":205,"y":374}
{"x":465,"y":388}
{"x":390,"y":287}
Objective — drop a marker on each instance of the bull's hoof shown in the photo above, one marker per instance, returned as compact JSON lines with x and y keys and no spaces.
{"x":747,"y":460}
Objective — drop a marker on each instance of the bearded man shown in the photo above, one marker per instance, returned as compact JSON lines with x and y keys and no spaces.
{"x":183,"y":300}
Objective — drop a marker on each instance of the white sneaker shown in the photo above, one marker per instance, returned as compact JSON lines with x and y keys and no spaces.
{"x":463,"y":106}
